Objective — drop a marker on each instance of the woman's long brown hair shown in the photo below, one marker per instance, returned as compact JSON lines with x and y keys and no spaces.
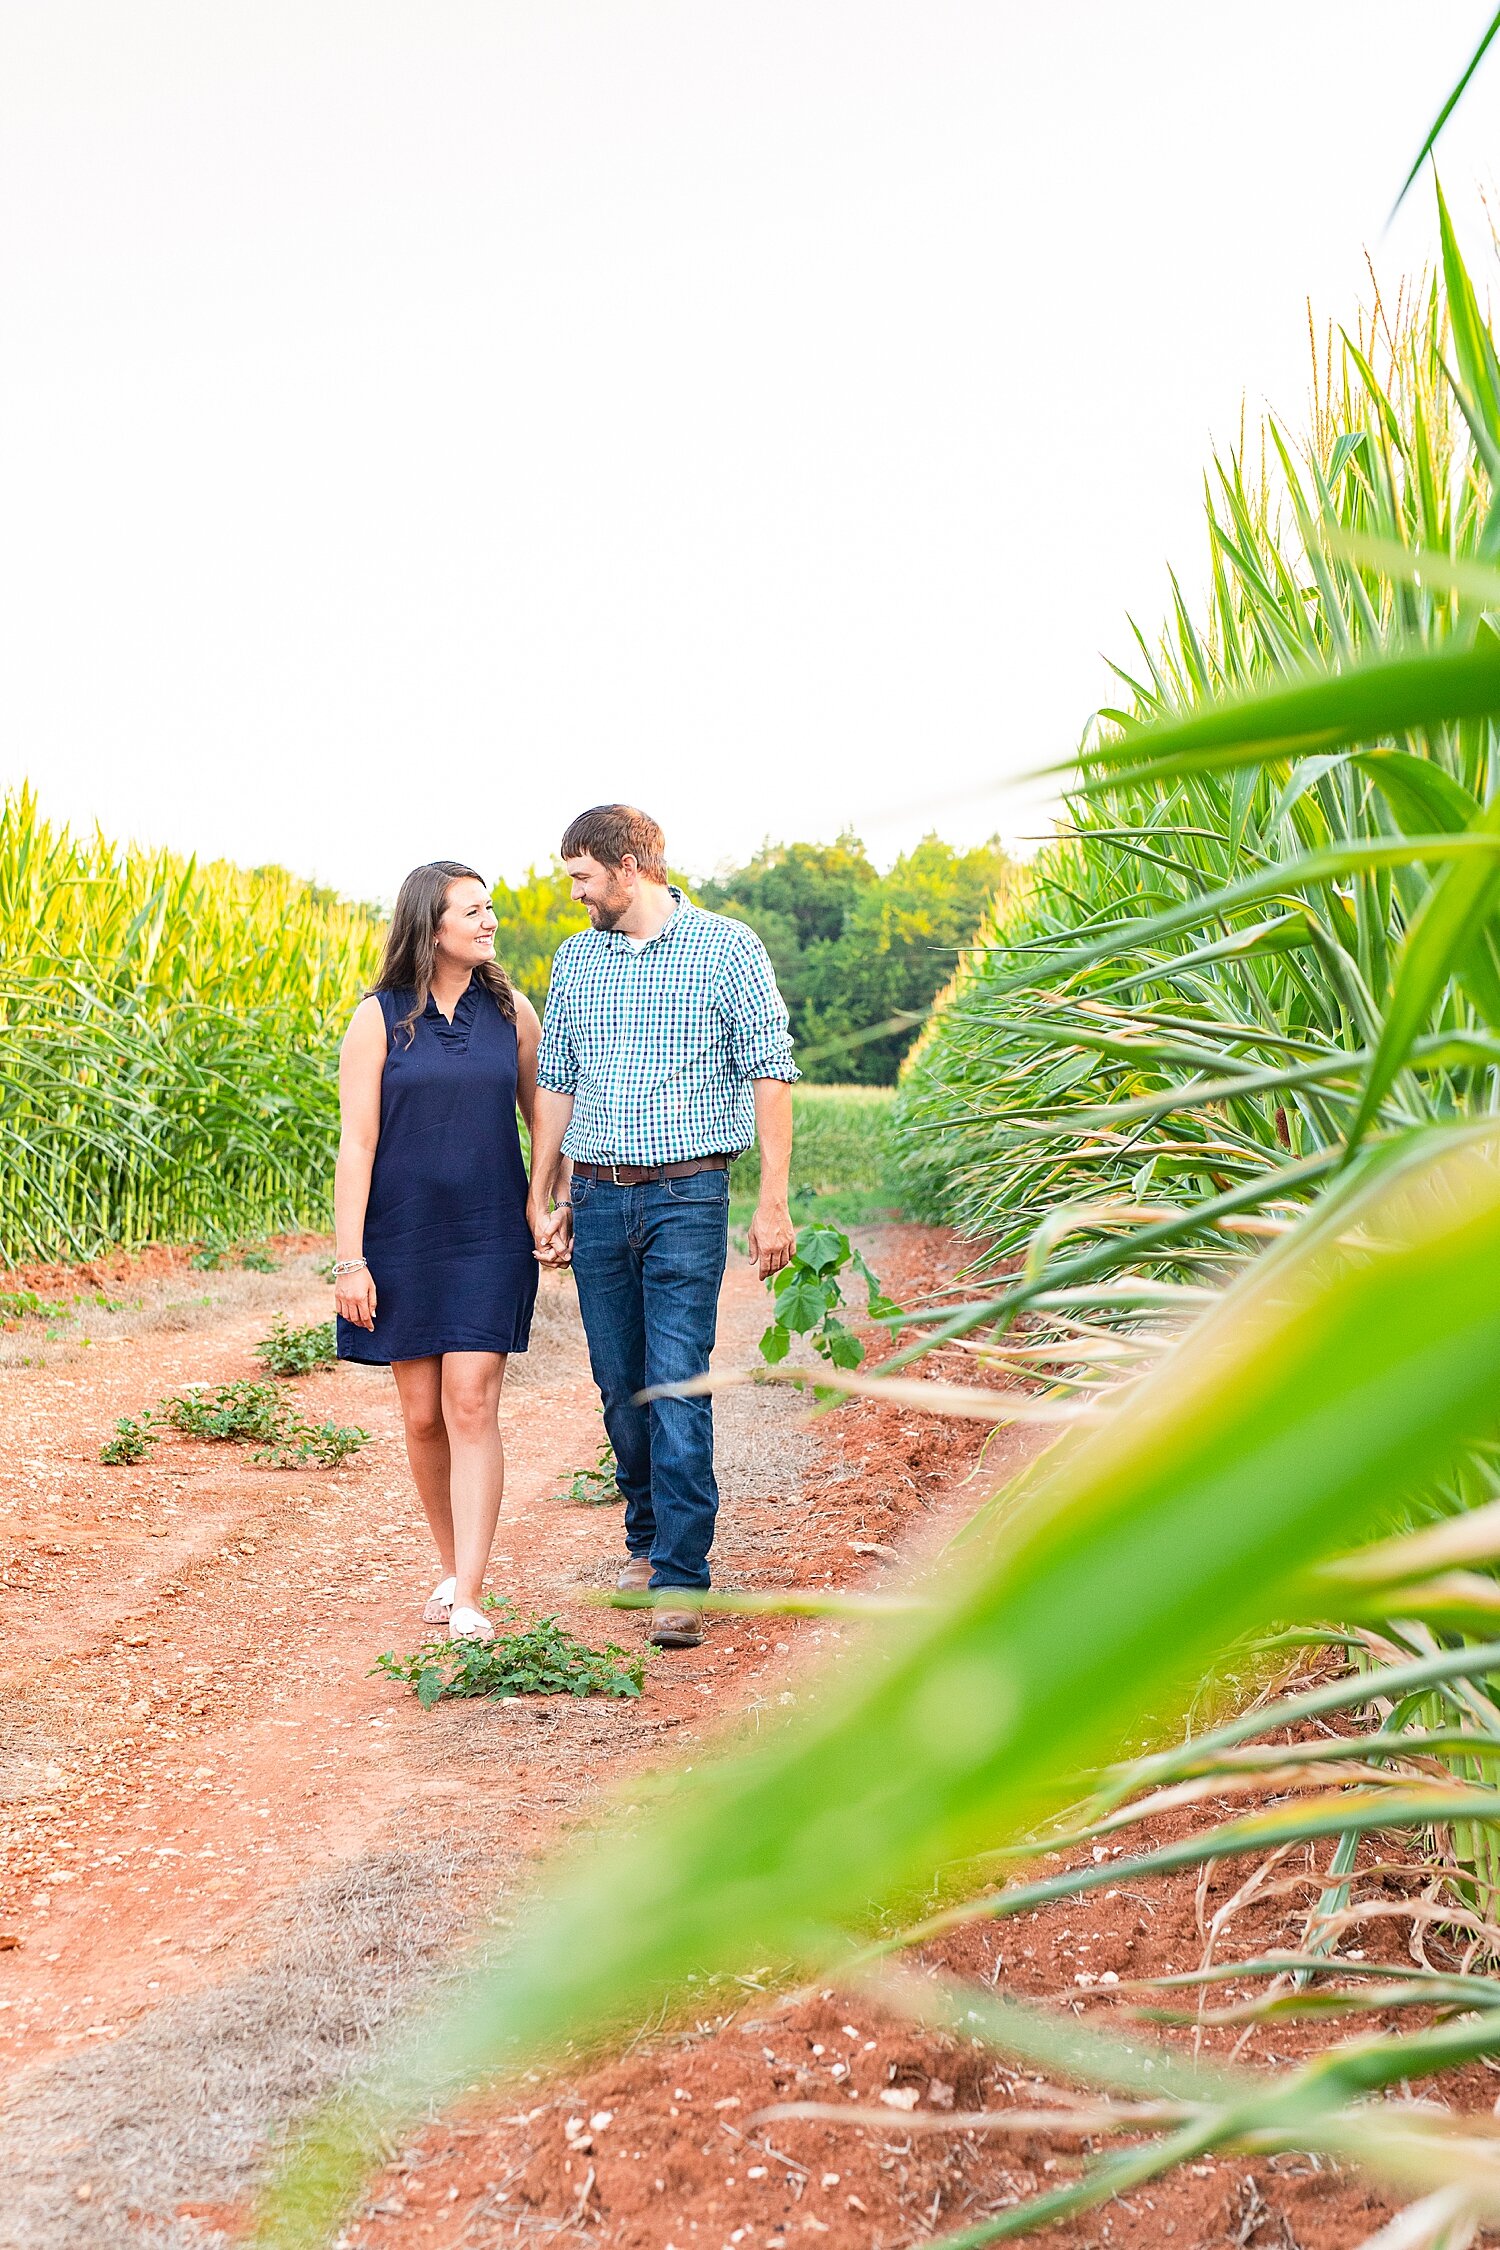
{"x":411,"y":942}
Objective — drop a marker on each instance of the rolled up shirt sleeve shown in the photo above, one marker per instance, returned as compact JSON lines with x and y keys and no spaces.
{"x":760,"y":1038}
{"x":557,"y":1056}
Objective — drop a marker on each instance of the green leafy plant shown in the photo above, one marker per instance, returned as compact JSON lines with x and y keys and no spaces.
{"x":541,"y":1658}
{"x":244,"y":1413}
{"x":17,"y":1305}
{"x":258,"y":1261}
{"x":322,"y":1445}
{"x":596,"y":1487}
{"x":134,"y":1440}
{"x":808,"y":1297}
{"x":298,"y":1351}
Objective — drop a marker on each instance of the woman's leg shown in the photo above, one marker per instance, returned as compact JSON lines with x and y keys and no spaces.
{"x":419,"y":1386}
{"x":471,"y":1409}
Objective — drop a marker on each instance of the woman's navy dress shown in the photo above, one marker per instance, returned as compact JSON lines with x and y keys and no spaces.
{"x":446,"y":1238}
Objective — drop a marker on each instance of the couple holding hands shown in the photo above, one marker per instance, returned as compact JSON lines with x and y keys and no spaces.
{"x":664,"y":1053}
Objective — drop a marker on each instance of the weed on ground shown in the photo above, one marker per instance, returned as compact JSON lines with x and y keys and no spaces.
{"x":244,"y":1413}
{"x":298,"y":1351}
{"x":542,"y":1658}
{"x":596,"y":1487}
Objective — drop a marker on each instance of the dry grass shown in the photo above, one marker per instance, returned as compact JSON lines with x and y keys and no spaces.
{"x":171,"y":1304}
{"x":558,"y":1350}
{"x":179,"y":2110}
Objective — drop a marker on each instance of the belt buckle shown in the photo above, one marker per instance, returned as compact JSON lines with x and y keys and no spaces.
{"x":614,"y":1173}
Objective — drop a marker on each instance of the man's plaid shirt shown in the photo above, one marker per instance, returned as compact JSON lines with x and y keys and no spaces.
{"x":658,"y":1043}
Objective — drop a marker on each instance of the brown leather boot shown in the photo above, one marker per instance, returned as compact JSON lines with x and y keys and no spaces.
{"x":636,"y":1576}
{"x":676,"y":1628}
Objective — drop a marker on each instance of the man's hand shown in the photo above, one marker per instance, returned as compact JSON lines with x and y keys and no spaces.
{"x":773,"y":1238}
{"x":552,"y":1232}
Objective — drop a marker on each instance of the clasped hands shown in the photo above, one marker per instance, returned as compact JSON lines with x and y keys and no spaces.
{"x":772,"y":1244}
{"x":552,"y":1233}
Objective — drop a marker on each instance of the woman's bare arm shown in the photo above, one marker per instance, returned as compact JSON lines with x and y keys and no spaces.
{"x":528,"y":1040}
{"x":361,"y":1067}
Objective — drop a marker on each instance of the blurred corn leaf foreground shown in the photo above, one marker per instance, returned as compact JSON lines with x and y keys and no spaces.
{"x":1323,"y":2107}
{"x":1332,"y":1382}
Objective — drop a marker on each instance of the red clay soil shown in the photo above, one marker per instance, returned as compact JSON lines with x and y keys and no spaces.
{"x":192,"y":1730}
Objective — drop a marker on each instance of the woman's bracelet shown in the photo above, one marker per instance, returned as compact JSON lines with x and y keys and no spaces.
{"x":341,"y":1266}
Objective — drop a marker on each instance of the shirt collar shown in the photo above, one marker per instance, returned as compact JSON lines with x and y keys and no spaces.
{"x":464,"y":1006}
{"x":674,"y":922}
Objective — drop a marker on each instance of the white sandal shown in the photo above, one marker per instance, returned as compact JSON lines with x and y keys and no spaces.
{"x":440,"y":1602}
{"x":470,"y":1625}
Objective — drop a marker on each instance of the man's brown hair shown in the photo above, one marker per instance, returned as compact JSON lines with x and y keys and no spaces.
{"x":608,"y":832}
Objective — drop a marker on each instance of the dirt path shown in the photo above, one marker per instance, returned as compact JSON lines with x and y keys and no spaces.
{"x":196,"y":1769}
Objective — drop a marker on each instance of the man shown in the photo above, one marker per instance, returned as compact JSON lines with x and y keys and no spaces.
{"x":664,"y":1052}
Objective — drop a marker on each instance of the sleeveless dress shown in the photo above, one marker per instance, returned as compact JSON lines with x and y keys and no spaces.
{"x":446,"y":1238}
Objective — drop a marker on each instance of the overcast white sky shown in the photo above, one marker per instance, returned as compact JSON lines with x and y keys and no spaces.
{"x":422,"y":418}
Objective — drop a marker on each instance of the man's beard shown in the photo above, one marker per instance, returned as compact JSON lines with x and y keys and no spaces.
{"x":605,"y":914}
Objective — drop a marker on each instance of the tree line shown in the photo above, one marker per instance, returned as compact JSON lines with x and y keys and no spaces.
{"x":860,"y":955}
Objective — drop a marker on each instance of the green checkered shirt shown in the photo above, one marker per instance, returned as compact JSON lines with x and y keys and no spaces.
{"x":658,"y":1044}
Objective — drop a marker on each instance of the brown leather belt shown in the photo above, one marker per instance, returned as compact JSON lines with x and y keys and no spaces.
{"x":642,"y":1175}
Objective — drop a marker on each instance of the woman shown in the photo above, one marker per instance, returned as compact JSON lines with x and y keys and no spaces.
{"x":434,"y":1269}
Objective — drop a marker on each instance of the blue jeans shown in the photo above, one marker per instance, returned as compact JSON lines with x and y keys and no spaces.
{"x":649,"y":1261}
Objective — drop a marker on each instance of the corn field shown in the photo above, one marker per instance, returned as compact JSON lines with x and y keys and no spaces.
{"x":167,"y":1055}
{"x":1196,"y":1008}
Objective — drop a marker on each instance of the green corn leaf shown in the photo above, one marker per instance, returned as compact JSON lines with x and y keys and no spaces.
{"x":1425,"y":799}
{"x":1421,"y":566}
{"x":1370,"y":702}
{"x":1461,"y":898}
{"x":1312,"y":869}
{"x":1306,"y":2108}
{"x":1299,"y":1821}
{"x":1449,"y":106}
{"x":1478,"y":368}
